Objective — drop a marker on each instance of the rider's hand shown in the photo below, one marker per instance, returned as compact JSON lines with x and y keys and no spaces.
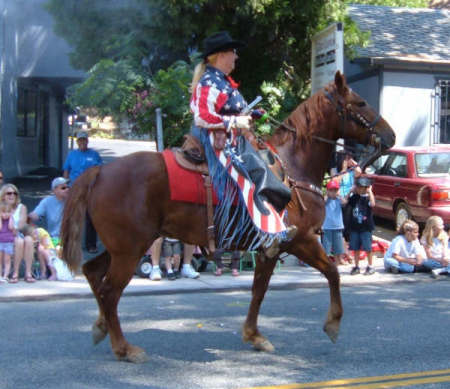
{"x":243,"y":122}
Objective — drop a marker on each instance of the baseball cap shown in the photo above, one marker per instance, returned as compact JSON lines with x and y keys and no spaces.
{"x":333,"y":184}
{"x":82,"y":134}
{"x":363,"y":181}
{"x":59,"y":181}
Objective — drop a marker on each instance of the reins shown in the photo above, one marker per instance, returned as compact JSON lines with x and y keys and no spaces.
{"x":344,"y":113}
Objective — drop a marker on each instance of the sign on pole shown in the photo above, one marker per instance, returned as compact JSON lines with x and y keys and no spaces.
{"x":327,"y":56}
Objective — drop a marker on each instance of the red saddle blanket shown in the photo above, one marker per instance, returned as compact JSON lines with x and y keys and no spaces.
{"x":185,"y":185}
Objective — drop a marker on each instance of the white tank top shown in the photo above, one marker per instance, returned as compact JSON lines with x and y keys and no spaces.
{"x":16,"y":215}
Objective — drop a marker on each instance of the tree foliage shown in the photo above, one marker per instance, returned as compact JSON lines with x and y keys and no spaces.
{"x":128,"y":46}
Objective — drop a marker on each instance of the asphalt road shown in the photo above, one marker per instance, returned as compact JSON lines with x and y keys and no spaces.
{"x":194,"y":340}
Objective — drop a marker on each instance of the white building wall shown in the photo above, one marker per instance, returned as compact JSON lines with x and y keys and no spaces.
{"x":406,"y":99}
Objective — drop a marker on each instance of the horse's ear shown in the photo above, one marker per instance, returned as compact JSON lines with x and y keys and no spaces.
{"x":341,"y":83}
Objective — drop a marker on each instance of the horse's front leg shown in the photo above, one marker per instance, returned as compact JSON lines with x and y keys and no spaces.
{"x":263,"y":273}
{"x":310,"y":251}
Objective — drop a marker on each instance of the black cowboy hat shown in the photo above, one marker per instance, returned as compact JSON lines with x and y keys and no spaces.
{"x":220,"y":41}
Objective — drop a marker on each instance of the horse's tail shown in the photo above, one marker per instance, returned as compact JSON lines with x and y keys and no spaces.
{"x":74,"y":215}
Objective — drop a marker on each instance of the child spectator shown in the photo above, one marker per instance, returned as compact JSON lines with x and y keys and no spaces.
{"x":333,"y":225}
{"x":171,"y":252}
{"x":45,"y":250}
{"x":7,"y":236}
{"x":435,"y":242}
{"x":361,"y":223}
{"x":405,"y":253}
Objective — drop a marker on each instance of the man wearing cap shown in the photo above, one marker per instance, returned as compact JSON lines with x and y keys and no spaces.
{"x":51,"y":208}
{"x":219,"y":112}
{"x":76,"y":163}
{"x":80,"y":159}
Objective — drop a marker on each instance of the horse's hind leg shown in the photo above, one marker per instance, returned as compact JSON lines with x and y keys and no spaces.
{"x":95,"y":270}
{"x":250,"y":333}
{"x":311,"y":252}
{"x":110,"y":290}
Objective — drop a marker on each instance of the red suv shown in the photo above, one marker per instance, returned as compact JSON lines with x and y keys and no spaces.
{"x":412,"y":182}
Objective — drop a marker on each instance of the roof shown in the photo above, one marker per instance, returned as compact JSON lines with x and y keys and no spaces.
{"x":407,"y":33}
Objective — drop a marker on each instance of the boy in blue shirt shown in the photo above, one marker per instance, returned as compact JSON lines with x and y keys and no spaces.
{"x":333,"y":225}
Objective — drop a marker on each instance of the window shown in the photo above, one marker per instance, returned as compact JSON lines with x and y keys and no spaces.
{"x":27,"y":112}
{"x":443,"y":111}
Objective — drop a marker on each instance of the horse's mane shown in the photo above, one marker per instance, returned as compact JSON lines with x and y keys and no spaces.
{"x":309,"y":116}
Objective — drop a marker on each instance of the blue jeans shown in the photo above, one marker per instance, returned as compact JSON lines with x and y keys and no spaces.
{"x":333,"y":242}
{"x":432,"y":264}
{"x":401,"y":266}
{"x":361,"y":241}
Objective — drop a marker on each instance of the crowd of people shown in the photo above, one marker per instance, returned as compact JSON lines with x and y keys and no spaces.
{"x":348,"y":218}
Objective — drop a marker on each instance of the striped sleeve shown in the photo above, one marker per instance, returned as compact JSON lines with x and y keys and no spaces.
{"x":206,"y":104}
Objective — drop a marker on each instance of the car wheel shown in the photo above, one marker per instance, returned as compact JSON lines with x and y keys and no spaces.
{"x":144,"y":267}
{"x":402,"y":214}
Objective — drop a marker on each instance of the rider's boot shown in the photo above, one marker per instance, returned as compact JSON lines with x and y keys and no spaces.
{"x":274,"y":249}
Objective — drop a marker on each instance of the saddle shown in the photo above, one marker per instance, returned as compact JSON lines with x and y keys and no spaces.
{"x":191,"y":156}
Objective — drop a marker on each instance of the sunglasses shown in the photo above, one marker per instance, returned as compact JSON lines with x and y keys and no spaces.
{"x":11,"y":193}
{"x":64,"y":187}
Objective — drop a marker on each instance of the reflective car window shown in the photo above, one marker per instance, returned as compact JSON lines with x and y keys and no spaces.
{"x":432,"y":164}
{"x":397,"y":168}
{"x":377,"y":166}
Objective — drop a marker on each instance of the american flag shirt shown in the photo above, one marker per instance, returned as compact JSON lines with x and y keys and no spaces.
{"x":215,"y":104}
{"x":216,"y":100}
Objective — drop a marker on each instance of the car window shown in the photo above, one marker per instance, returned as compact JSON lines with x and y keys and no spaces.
{"x":432,"y":164}
{"x":397,"y":166}
{"x":377,"y":166}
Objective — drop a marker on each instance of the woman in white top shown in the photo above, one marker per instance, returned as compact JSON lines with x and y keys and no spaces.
{"x":435,"y":242}
{"x":23,"y":246}
{"x":405,"y":252}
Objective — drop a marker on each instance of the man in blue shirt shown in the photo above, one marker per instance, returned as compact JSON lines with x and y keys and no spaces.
{"x":51,"y":208}
{"x":76,"y":163}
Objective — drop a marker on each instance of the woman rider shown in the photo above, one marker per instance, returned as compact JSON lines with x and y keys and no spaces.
{"x":240,"y":177}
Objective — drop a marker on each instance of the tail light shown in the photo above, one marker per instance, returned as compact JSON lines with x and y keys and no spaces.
{"x":439,"y":195}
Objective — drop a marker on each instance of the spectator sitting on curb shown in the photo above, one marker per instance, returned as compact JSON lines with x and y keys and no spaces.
{"x":435,"y":242}
{"x":405,"y":253}
{"x":23,"y":245}
{"x":51,"y":208}
{"x":77,"y":162}
{"x":235,"y":258}
{"x":45,"y":250}
{"x":361,"y":223}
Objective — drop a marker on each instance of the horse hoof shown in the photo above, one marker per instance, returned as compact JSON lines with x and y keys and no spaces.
{"x":332,"y":331}
{"x":134,"y":355}
{"x":264,"y":345}
{"x":98,"y":334}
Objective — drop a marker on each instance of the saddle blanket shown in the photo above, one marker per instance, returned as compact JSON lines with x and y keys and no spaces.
{"x":185,"y":185}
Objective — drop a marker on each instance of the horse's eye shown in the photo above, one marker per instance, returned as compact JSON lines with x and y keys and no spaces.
{"x":361,"y":104}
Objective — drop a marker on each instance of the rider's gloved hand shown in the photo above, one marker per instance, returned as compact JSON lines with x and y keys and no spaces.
{"x":257,"y":113}
{"x":243,"y":122}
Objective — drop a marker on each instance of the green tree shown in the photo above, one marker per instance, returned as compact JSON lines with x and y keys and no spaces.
{"x":124,"y":45}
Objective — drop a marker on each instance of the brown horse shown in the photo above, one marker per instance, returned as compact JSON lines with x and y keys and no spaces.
{"x":129,"y":203}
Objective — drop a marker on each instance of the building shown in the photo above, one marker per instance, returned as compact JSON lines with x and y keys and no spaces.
{"x":34,"y":74}
{"x":405,"y":71}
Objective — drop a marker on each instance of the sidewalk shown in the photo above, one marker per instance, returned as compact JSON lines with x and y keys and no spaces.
{"x":288,"y":277}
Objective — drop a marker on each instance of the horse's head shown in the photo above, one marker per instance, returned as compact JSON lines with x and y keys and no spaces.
{"x":359,"y":121}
